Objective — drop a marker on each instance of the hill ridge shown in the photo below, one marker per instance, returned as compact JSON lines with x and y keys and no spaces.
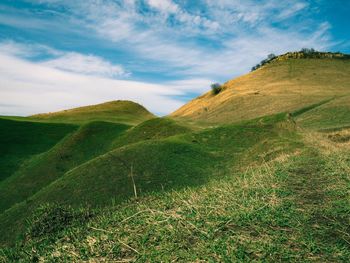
{"x":123,"y":111}
{"x":282,"y":85}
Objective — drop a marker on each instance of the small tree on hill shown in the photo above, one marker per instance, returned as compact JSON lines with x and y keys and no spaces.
{"x":263,"y":62}
{"x":271,"y":56}
{"x":308,"y":50}
{"x":216,"y":88}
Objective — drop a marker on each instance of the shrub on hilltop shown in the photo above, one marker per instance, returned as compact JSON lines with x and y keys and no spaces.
{"x":216,"y":88}
{"x":269,"y":58}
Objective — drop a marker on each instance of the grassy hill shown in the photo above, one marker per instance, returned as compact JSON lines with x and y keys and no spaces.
{"x":126,"y":112}
{"x":283,"y":85}
{"x":258,"y":172}
{"x":175,"y":162}
{"x":333,"y":114}
{"x":263,"y":188}
{"x":20,"y":140}
{"x":89,"y":141}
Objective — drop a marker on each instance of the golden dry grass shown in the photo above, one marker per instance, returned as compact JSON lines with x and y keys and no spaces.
{"x":281,"y":86}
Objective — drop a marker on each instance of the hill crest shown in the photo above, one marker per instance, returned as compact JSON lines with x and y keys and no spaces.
{"x":122,"y":111}
{"x":281,"y":85}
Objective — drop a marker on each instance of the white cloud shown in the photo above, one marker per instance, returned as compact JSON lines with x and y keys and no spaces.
{"x":26,"y":50}
{"x":292,"y":10}
{"x":86,"y":64}
{"x":152,"y":38}
{"x":28,"y":88}
{"x":254,"y":13}
{"x":67,"y":61}
{"x":165,"y":6}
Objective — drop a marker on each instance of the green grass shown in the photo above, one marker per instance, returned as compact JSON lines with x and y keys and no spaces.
{"x":196,"y":158}
{"x":334,"y":114}
{"x":20,"y":140}
{"x":288,"y":209}
{"x":153,"y":129}
{"x":126,"y":112}
{"x":88,"y":142}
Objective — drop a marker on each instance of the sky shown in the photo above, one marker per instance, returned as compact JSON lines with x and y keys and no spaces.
{"x":59,"y":54}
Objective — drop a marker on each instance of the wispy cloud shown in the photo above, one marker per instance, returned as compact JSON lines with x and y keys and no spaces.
{"x":181,"y":45}
{"x":31,"y":87}
{"x":26,"y":50}
{"x":168,"y":36}
{"x":68,"y":61}
{"x":86,"y":64}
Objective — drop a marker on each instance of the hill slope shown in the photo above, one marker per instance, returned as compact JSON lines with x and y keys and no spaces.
{"x":88,"y":142}
{"x":19,"y":140}
{"x":175,"y":162}
{"x":127,"y":112}
{"x":270,"y":189}
{"x":284,"y":85}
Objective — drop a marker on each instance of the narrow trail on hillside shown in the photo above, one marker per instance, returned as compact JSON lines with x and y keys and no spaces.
{"x":316,"y":182}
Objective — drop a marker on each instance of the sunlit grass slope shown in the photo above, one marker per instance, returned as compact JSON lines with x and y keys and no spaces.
{"x":334,"y":114}
{"x":284,"y":85}
{"x":153,"y":129}
{"x":127,"y":112}
{"x":20,"y":140}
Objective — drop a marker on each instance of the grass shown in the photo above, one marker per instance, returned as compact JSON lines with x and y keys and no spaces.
{"x":88,"y":142}
{"x":154,"y":129}
{"x":287,"y":209}
{"x":333,"y":114}
{"x":20,"y":140}
{"x":126,"y":112}
{"x":280,"y":86}
{"x":196,"y":157}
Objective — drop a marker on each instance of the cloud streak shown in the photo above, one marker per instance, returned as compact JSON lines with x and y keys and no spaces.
{"x":165,"y":33}
{"x":178,"y":46}
{"x":41,"y":87}
{"x":86,"y":64}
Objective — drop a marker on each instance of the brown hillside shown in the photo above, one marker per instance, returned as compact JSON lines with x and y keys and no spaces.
{"x":284,"y":85}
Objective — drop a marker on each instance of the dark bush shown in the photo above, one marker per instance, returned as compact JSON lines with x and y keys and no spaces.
{"x":269,"y":58}
{"x":308,"y":50}
{"x":216,"y":88}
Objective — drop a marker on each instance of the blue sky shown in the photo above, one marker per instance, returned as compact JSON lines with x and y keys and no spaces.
{"x":58,"y":54}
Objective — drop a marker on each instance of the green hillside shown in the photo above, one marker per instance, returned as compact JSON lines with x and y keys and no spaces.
{"x":333,"y":114}
{"x":89,"y":141}
{"x":256,"y":173}
{"x":20,"y":140}
{"x":119,"y":111}
{"x":195,"y":158}
{"x":153,"y":129}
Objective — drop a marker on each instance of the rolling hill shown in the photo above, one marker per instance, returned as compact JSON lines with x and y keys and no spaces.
{"x":88,"y":142}
{"x":20,"y":140}
{"x":257,"y":172}
{"x":120,"y":111}
{"x":283,"y":85}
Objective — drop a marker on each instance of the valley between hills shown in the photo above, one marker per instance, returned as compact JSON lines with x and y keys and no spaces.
{"x":256,"y":171}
